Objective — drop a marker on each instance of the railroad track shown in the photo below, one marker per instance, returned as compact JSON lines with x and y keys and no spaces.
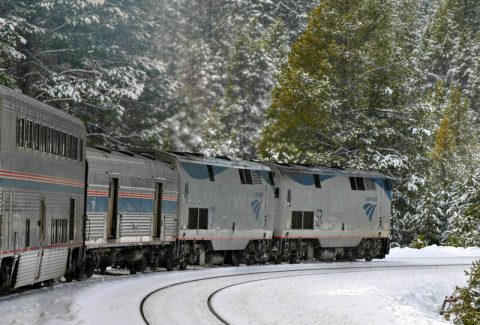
{"x":298,"y":273}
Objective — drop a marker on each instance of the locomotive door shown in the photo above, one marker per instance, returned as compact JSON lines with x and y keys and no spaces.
{"x":112,"y":217}
{"x":157,"y":211}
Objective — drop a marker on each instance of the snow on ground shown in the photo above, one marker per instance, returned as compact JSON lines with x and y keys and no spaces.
{"x":326,"y":295}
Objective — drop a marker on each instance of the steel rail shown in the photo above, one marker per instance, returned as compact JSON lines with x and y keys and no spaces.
{"x":319,"y":270}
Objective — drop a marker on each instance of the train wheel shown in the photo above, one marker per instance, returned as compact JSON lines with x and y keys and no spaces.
{"x":368,"y":257}
{"x":182,"y":266}
{"x":235,"y":259}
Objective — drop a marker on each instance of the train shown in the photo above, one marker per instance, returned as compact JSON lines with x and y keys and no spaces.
{"x":68,"y":210}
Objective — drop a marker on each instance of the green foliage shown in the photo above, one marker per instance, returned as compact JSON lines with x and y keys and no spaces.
{"x":420,"y":242}
{"x":465,"y":308}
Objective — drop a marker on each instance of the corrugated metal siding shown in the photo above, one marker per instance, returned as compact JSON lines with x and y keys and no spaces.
{"x":27,"y":268}
{"x":96,"y":226}
{"x":170,"y":226}
{"x":53,"y":264}
{"x":135,"y":225}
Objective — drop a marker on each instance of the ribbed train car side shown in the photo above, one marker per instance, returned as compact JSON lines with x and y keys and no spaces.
{"x":131,"y":211}
{"x":42,"y":176}
{"x":225,"y":212}
{"x":326,"y":213}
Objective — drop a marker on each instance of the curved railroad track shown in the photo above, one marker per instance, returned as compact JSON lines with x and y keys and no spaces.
{"x":299,"y":273}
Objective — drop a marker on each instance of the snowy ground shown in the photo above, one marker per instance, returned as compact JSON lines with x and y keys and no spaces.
{"x":321,"y":293}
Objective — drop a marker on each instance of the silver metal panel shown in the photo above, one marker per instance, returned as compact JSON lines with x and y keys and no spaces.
{"x":237,"y":213}
{"x":53,"y":264}
{"x":135,"y":225}
{"x":95,"y":226}
{"x":170,"y":226}
{"x":27,"y":268}
{"x":341,"y":218}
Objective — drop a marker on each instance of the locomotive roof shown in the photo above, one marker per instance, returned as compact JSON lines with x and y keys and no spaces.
{"x":217,"y":161}
{"x":326,"y":170}
{"x":120,"y":155}
{"x":31,"y":103}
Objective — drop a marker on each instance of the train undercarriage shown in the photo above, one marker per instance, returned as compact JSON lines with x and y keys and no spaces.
{"x":183,"y":253}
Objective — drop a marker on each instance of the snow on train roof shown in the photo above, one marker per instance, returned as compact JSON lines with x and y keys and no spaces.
{"x":326,"y":170}
{"x":217,"y":161}
{"x":30,"y":102}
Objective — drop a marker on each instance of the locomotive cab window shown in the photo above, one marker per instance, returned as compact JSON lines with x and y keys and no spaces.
{"x":248,"y":176}
{"x":357,"y":183}
{"x":388,"y":184}
{"x":369,"y":184}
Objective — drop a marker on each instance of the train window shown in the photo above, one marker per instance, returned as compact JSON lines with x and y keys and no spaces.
{"x":270,"y":178}
{"x":81,"y":150}
{"x":296,"y":220}
{"x":210,"y":173}
{"x":36,"y":136}
{"x":68,"y":141}
{"x":256,"y":177}
{"x":192,"y":218}
{"x":316,"y":179}
{"x":277,"y":192}
{"x":357,"y":183}
{"x":54,"y":142}
{"x":203,"y":219}
{"x":41,"y":140}
{"x":388,"y":184}
{"x":197,"y":218}
{"x":74,"y":148}
{"x":242,"y":176}
{"x":360,"y":183}
{"x":47,"y":139}
{"x":27,"y":233}
{"x":63,"y":144}
{"x":353,"y":184}
{"x":64,"y":227}
{"x":369,"y":184}
{"x":20,"y":131}
{"x":308,"y":220}
{"x":246,"y":176}
{"x":28,"y":135}
{"x":302,"y":220}
{"x":53,"y":233}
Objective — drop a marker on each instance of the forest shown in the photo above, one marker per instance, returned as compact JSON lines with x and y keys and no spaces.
{"x":387,"y":85}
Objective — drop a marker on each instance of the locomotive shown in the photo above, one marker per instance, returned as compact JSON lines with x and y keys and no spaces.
{"x":67,"y":210}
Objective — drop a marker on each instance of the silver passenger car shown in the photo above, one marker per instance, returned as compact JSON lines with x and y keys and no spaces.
{"x":131,"y":210}
{"x":225,"y":209}
{"x":329,"y":213}
{"x":42,"y":177}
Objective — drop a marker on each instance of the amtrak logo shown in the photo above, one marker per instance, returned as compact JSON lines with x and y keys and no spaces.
{"x":256,"y":205}
{"x":369,"y":210}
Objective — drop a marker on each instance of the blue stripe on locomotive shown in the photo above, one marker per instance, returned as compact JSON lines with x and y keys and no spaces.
{"x":381,"y":182}
{"x":307,"y":179}
{"x":200,"y":171}
{"x":40,"y":186}
{"x":99,"y":204}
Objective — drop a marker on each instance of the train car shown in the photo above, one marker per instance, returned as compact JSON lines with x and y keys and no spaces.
{"x":42,"y":177}
{"x":131,"y":211}
{"x":329,"y":213}
{"x":225,"y":211}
